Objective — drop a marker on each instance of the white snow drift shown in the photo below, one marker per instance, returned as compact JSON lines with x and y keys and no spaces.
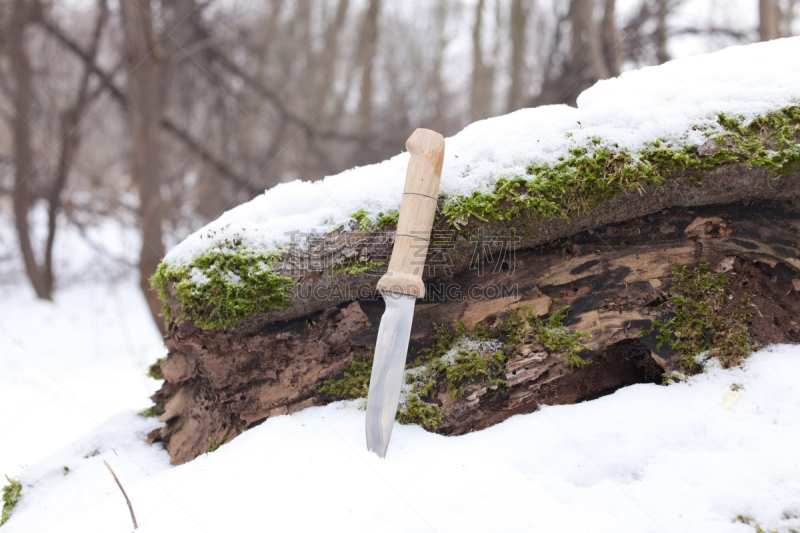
{"x":688,"y":457}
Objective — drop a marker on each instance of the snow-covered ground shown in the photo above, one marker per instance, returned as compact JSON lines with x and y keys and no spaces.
{"x":688,"y":457}
{"x":70,"y":364}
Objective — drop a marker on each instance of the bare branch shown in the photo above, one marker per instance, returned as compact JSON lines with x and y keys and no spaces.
{"x":740,"y":35}
{"x":70,"y":140}
{"x":289,"y":116}
{"x":130,"y":507}
{"x":61,"y":37}
{"x":195,"y":147}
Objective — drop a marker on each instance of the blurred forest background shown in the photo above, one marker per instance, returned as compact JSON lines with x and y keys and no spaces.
{"x":127,"y":124}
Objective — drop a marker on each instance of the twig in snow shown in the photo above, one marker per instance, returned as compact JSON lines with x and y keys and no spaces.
{"x":130,"y":507}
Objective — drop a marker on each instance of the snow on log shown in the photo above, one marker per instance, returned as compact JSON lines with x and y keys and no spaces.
{"x":662,"y":227}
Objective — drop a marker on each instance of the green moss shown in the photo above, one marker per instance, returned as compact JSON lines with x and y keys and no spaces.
{"x":522,"y":326}
{"x":362,"y":217}
{"x":225,"y":285}
{"x":149,"y":412}
{"x":473,"y":365}
{"x":427,"y":375}
{"x":459,"y":361}
{"x":355,"y":266}
{"x":383,"y":220}
{"x":416,"y":411}
{"x":706,"y":319}
{"x":387,"y":220}
{"x":769,"y":141}
{"x":594,"y":174}
{"x":571,"y":187}
{"x":154,"y":370}
{"x":469,"y":368}
{"x":443,"y":341}
{"x":750,"y":522}
{"x":354,"y":384}
{"x":478,"y":363}
{"x":213,"y":445}
{"x":242,"y":283}
{"x":11,"y":495}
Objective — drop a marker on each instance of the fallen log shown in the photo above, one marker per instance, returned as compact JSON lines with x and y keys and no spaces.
{"x":613,"y":268}
{"x":604,"y":270}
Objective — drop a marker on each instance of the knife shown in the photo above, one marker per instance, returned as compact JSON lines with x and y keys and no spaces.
{"x":402,"y":284}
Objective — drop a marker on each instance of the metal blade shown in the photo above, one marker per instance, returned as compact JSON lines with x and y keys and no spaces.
{"x":388,"y":368}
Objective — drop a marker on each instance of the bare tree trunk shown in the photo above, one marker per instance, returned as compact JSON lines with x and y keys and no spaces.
{"x":329,"y":101}
{"x":660,"y":35}
{"x":70,"y":140}
{"x":437,"y":83}
{"x":519,"y":21}
{"x":612,"y":46}
{"x":585,"y":63}
{"x":145,"y":106}
{"x":328,"y":59}
{"x":42,"y":276}
{"x":788,"y":18}
{"x":21,"y":14}
{"x":769,"y":20}
{"x":481,"y":91}
{"x":586,"y":38}
{"x":367,"y":49}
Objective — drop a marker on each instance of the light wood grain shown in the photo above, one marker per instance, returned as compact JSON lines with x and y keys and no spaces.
{"x":416,"y":215}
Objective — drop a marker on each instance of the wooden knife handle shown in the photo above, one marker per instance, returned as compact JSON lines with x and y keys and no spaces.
{"x":416,"y":215}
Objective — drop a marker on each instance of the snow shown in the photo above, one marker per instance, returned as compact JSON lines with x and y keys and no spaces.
{"x":463,"y":345}
{"x":662,"y":102}
{"x":70,"y":364}
{"x":688,"y":457}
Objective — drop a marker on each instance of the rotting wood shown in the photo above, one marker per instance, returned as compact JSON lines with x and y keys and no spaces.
{"x":612,"y":276}
{"x":309,"y":266}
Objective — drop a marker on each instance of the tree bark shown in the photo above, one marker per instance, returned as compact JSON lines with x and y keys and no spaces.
{"x":145,"y":108}
{"x":769,"y":20}
{"x":328,"y":60}
{"x":70,"y":141}
{"x":366,"y":54}
{"x":788,"y":18}
{"x":21,"y":14}
{"x":482,"y":87}
{"x":519,"y":22}
{"x":437,"y":85}
{"x":660,"y":35}
{"x":586,"y":37}
{"x":585,"y":64}
{"x":41,"y":273}
{"x":612,"y":46}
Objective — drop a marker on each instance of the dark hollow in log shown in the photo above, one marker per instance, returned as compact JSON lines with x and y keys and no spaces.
{"x":219,"y":383}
